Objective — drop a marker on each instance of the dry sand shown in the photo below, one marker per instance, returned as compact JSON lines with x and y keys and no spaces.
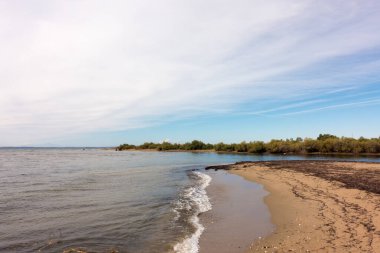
{"x":318,"y":206}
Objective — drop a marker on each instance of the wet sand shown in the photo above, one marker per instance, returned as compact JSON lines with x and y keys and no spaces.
{"x":317,"y":206}
{"x":238,"y":215}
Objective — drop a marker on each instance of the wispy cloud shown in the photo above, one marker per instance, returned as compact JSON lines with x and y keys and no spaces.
{"x":69,"y":67}
{"x":286,"y":107}
{"x":336,"y":106}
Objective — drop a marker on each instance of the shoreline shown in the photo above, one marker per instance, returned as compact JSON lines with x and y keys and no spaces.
{"x":317,"y":205}
{"x":248,"y":153}
{"x":237,"y":216}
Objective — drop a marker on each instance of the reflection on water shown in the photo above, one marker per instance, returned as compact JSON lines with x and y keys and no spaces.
{"x":52,"y":200}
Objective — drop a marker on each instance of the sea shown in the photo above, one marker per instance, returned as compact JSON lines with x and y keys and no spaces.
{"x":101,"y":200}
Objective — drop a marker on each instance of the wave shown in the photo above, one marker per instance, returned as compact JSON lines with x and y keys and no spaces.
{"x":192,"y":202}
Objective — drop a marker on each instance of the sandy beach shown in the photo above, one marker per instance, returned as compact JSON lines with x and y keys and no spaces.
{"x":317,"y":206}
{"x":238,"y":214}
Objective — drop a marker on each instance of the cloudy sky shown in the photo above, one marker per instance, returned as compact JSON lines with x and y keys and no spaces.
{"x":101,"y":73}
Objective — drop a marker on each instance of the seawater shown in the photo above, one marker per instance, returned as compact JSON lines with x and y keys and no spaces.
{"x":95,"y":200}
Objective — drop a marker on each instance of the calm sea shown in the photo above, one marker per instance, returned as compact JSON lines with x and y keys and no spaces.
{"x":67,"y":200}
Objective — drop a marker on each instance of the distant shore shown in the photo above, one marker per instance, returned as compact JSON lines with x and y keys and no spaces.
{"x":247,"y":153}
{"x":317,"y":206}
{"x":323,"y":144}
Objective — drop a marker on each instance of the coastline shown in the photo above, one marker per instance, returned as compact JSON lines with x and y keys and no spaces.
{"x":237,"y":216}
{"x":332,"y":154}
{"x":317,"y":205}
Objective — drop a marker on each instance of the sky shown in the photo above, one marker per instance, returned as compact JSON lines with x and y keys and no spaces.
{"x":102,"y":73}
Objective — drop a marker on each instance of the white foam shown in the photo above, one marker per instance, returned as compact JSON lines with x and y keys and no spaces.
{"x":201,"y":202}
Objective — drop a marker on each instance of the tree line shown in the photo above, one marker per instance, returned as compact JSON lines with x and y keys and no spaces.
{"x":325,"y":143}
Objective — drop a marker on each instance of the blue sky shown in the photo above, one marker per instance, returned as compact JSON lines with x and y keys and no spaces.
{"x":351,"y":113}
{"x":95,"y":73}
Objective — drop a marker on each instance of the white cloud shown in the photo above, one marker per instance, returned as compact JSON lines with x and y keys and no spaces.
{"x":354,"y":104}
{"x":78,"y":66}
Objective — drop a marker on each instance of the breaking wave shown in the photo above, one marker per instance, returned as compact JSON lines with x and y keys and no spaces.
{"x":192,"y":202}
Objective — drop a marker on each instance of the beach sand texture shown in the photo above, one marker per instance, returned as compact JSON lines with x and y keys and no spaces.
{"x":237,"y":217}
{"x":318,"y":206}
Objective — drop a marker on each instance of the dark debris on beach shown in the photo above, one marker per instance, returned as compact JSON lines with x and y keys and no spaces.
{"x":367,"y":179}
